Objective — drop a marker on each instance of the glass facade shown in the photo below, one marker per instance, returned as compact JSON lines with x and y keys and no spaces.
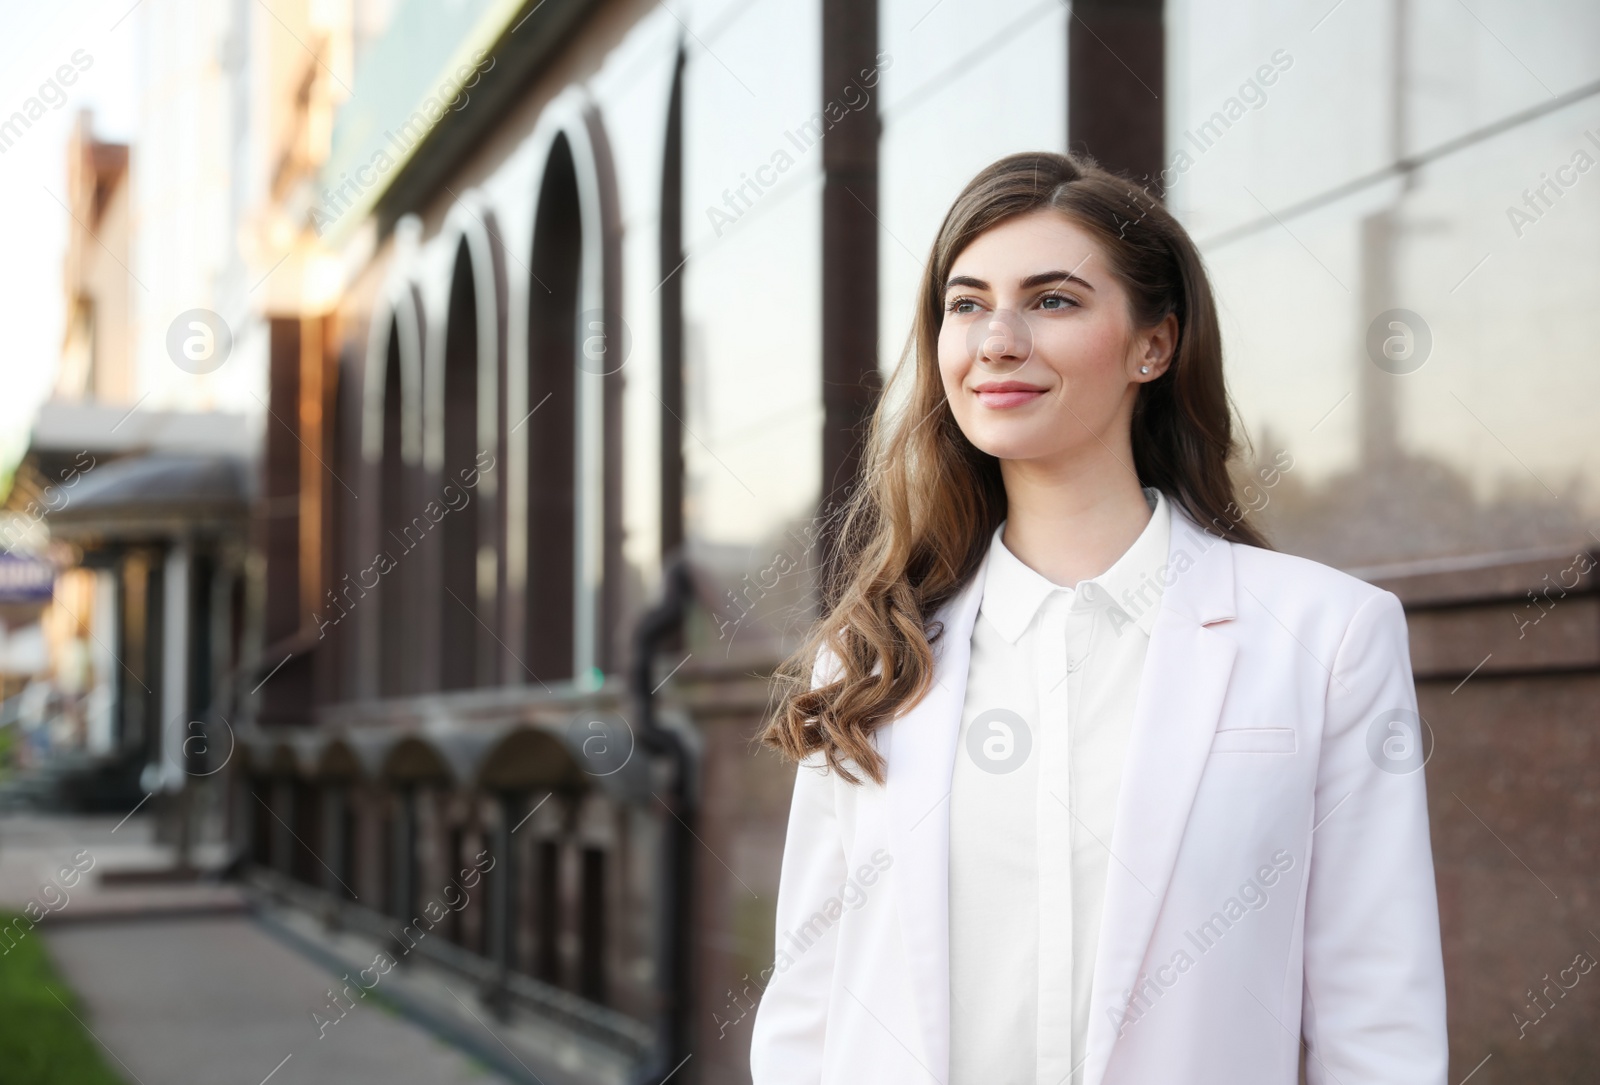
{"x":752,"y":216}
{"x":1390,"y":198}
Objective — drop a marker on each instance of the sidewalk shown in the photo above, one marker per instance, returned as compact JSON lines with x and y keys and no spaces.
{"x":200,"y":1001}
{"x":35,"y":850}
{"x":183,"y":987}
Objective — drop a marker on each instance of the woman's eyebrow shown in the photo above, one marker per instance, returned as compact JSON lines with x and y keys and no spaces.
{"x":965,"y":280}
{"x":1047,"y":278}
{"x":1043,"y":278}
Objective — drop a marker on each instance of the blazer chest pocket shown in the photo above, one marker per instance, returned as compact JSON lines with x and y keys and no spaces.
{"x":1254,"y":740}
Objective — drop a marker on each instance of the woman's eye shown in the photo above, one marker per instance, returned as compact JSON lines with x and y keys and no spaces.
{"x":1065,"y":301}
{"x":959,"y":305}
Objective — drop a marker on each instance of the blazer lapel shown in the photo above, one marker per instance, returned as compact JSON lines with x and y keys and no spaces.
{"x":1181,"y":689}
{"x":921,"y":757}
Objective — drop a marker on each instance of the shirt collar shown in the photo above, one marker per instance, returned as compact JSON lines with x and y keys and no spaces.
{"x":1130,"y":591}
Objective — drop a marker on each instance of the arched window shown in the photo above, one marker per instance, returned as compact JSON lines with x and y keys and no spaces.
{"x":391,"y":527}
{"x":671,"y":293}
{"x":554,"y":290}
{"x":461,"y":625}
{"x":391,"y":598}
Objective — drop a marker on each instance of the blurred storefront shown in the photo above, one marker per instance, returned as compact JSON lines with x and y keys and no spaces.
{"x":141,"y":516}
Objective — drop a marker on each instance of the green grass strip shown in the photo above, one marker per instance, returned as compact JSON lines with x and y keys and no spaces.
{"x":41,"y":1043}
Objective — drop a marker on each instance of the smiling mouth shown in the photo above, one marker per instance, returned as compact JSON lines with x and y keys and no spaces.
{"x":1003,"y":394}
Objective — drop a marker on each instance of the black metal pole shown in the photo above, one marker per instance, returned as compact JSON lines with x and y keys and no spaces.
{"x":674,"y":974}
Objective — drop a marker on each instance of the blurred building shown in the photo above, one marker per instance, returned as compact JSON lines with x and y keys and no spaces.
{"x":142,"y":510}
{"x":555,"y":324}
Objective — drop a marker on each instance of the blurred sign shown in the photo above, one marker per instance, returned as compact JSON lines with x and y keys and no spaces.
{"x":25,"y":579}
{"x":24,"y":651}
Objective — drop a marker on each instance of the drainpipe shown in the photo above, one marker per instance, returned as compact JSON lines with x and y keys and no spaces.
{"x":673,"y":974}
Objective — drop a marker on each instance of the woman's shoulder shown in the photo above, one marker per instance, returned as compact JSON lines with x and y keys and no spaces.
{"x":1289,"y":580}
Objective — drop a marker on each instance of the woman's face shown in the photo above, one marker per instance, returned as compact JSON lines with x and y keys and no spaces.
{"x":1037,"y":351}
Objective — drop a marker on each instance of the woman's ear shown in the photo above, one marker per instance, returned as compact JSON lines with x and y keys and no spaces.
{"x":1154,"y":348}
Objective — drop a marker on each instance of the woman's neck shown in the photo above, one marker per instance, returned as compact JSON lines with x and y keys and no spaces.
{"x":1069,"y":525}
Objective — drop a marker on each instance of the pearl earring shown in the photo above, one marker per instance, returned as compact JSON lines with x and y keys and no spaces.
{"x":1144,"y":369}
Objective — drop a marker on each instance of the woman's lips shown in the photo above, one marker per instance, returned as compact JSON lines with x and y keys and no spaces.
{"x":1013,"y":397}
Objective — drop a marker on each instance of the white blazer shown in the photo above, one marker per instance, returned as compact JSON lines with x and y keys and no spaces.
{"x":1271,"y":872}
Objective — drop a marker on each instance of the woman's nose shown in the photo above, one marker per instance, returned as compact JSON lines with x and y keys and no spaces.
{"x":1002,"y":342}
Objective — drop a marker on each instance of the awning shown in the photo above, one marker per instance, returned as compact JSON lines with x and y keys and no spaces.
{"x":155,"y":495}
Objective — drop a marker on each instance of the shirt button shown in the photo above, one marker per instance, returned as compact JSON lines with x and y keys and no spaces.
{"x":1088,"y":592}
{"x":1073,"y":663}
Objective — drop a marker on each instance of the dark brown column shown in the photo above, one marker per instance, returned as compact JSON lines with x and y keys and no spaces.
{"x":292,"y":566}
{"x":1115,"y":109}
{"x":850,"y":381}
{"x":280,"y":490}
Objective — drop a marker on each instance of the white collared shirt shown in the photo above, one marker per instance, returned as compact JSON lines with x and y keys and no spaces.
{"x":1044,"y":730}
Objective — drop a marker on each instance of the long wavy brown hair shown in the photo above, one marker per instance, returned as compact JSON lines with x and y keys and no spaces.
{"x":918,"y":522}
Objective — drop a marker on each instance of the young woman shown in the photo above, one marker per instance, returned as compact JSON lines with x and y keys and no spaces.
{"x":1094,"y":787}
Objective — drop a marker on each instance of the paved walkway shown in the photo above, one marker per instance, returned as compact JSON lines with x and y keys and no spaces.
{"x":36,"y":850}
{"x":214,"y":1000}
{"x":181,"y":988}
